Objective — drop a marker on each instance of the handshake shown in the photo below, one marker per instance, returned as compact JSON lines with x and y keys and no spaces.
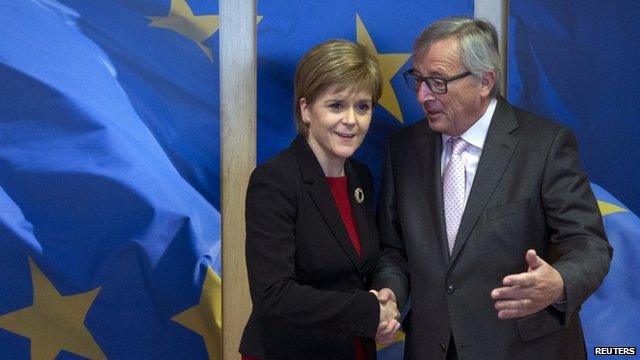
{"x":389,"y":316}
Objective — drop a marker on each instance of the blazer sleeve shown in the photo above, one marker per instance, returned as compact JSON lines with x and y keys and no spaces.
{"x":271,"y":203}
{"x":392,"y":269}
{"x":579,"y":248}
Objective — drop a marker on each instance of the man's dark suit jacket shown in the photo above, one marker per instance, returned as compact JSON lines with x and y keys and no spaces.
{"x":306,"y":280}
{"x":529,"y":192}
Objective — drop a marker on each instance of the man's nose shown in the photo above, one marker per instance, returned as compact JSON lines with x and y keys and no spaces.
{"x":424,"y":93}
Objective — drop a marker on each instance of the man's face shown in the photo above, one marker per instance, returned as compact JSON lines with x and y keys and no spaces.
{"x":464,"y":102}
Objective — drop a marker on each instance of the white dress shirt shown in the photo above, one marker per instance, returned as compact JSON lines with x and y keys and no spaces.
{"x":475,"y":136}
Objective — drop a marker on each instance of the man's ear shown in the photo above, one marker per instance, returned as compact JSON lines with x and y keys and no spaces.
{"x":488,"y":82}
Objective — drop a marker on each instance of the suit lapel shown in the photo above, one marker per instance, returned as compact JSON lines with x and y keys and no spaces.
{"x":423,"y":178}
{"x":496,"y":153}
{"x":434,"y":154}
{"x":321,"y":195}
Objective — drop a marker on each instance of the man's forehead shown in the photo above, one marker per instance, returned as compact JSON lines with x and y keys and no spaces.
{"x":444,"y":52}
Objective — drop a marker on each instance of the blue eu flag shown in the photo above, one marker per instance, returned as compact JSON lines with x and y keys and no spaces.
{"x":610,"y":317}
{"x":109,"y":180}
{"x":573,"y":61}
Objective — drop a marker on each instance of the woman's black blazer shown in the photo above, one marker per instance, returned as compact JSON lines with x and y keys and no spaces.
{"x":307,"y":283}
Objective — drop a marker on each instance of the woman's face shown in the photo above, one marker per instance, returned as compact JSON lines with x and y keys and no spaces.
{"x":338,"y":123}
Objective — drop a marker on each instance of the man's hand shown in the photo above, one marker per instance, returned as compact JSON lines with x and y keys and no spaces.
{"x":528,"y":293}
{"x":389,"y":316}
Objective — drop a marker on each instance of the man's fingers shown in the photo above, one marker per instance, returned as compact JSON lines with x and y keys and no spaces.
{"x":518,"y":308}
{"x":515,"y":308}
{"x":397,"y":327}
{"x":522,"y":280}
{"x":513,"y":304}
{"x":527,"y":293}
{"x":511,"y":314}
{"x":508,"y":293}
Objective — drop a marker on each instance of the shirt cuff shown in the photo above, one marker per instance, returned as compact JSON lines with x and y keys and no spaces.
{"x":561,"y":305}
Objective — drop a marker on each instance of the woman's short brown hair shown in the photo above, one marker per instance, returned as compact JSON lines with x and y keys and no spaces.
{"x":339,"y":65}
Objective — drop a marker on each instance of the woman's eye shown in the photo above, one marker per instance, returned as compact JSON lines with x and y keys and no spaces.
{"x":336,"y":106}
{"x":364,"y":107}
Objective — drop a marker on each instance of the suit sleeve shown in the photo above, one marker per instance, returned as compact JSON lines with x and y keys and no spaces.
{"x":271,"y":205}
{"x":392,"y":269}
{"x":579,"y":249}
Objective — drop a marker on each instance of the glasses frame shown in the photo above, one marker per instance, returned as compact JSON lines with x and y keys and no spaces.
{"x":409,"y":75}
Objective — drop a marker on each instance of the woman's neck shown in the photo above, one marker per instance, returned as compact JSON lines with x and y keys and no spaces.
{"x":332,"y":169}
{"x":331,"y":166}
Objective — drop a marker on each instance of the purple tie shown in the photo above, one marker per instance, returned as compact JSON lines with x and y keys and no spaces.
{"x":453,"y":184}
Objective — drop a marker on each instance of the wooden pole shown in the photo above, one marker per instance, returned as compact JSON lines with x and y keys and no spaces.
{"x":238,"y":159}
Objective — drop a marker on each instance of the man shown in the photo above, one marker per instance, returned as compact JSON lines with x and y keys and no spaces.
{"x":485,"y":215}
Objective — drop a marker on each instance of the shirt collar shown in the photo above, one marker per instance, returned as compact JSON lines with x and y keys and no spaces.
{"x":477,"y":133}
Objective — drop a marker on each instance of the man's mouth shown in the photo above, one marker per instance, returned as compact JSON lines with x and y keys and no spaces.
{"x":432,"y":112}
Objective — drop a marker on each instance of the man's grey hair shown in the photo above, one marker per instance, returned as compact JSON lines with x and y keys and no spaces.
{"x":478,"y":41}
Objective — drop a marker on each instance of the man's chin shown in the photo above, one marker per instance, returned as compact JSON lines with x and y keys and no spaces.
{"x":436,"y":124}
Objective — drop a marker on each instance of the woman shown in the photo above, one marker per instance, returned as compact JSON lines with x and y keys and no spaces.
{"x":311,"y":234}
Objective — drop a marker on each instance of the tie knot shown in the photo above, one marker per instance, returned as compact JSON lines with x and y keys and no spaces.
{"x":457,"y":145}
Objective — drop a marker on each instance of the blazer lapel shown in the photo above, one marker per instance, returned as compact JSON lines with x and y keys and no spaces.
{"x":320,"y":192}
{"x":496,"y":153}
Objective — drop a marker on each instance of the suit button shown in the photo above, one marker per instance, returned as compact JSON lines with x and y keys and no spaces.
{"x":352,"y":328}
{"x":354,"y":279}
{"x":360,"y":329}
{"x":450,"y":289}
{"x":443,"y":347}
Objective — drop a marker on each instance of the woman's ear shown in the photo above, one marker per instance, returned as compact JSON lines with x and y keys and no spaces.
{"x":304,"y":110}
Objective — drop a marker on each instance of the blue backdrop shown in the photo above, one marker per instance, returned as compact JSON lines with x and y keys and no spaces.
{"x":576,"y":62}
{"x":109,"y":153}
{"x":109,"y":174}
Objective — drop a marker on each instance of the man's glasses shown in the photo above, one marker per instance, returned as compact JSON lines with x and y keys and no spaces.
{"x":437,"y":85}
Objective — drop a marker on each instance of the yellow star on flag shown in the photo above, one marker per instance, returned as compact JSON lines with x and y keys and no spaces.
{"x":197,"y":28}
{"x":608,"y":208}
{"x":389,"y":65}
{"x":54,"y":322}
{"x":181,"y":19}
{"x":206,"y":317}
